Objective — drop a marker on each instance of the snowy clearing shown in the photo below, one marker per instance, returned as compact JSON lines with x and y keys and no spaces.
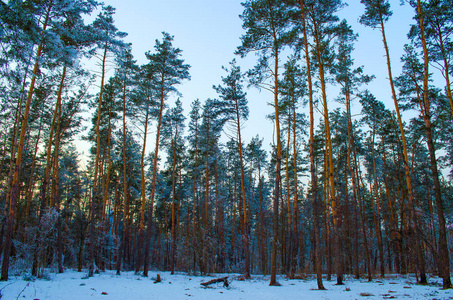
{"x":107,"y":285}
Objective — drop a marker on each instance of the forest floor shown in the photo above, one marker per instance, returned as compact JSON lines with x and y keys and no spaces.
{"x":107,"y":285}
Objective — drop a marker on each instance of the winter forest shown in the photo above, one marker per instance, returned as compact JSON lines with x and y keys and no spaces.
{"x":348,"y":185}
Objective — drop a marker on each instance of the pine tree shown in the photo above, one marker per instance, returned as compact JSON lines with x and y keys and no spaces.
{"x":169,"y":71}
{"x":304,"y":6}
{"x":193,"y":172}
{"x":413,"y":83}
{"x":376,"y":13}
{"x":59,"y":19}
{"x":426,"y":112}
{"x":350,"y":79}
{"x":126,"y":75}
{"x":266,"y":25}
{"x":233,"y":107}
{"x":172,"y":137}
{"x":293,"y":89}
{"x":324,"y":27}
{"x":145,"y":102}
{"x":437,"y":17}
{"x":257,"y":158}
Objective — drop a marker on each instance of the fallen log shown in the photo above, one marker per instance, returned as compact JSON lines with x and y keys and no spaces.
{"x":215,"y":280}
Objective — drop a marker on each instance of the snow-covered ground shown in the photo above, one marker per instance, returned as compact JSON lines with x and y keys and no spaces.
{"x":73,"y":285}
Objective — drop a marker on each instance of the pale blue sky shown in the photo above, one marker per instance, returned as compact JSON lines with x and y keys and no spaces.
{"x":209,"y":32}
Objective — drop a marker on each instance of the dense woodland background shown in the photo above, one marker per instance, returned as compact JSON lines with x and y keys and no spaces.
{"x":364,"y":193}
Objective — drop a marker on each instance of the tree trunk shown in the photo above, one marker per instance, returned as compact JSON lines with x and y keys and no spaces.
{"x":206,"y":202}
{"x":262,"y":235}
{"x":31,"y":184}
{"x":414,"y":221}
{"x":444,"y":257}
{"x":55,"y":195}
{"x":245,"y":232}
{"x":377,"y":222}
{"x":314,"y":189}
{"x":295,"y":239}
{"x":153,"y":182}
{"x":276,"y":195}
{"x":125,"y":188}
{"x":288,"y":253}
{"x":138,"y":262}
{"x":362,"y":215}
{"x":173,"y":207}
{"x":95,"y":195}
{"x":333,"y":198}
{"x":15,"y":193}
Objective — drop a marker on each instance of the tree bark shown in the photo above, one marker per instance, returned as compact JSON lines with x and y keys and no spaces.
{"x":245,"y":233}
{"x":125,"y":188}
{"x":95,"y":192}
{"x":154,"y":179}
{"x":444,"y":257}
{"x":15,"y":193}
{"x":414,"y":221}
{"x":276,"y":195}
{"x":173,"y":207}
{"x":314,"y":188}
{"x":333,"y":198}
{"x":142,"y":197}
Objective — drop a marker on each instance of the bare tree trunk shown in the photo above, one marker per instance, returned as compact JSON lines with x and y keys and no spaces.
{"x":275,"y":205}
{"x":95,"y":195}
{"x":125,"y":188}
{"x":314,"y":188}
{"x":55,"y":195}
{"x":31,"y":184}
{"x":206,"y":204}
{"x":138,"y":262}
{"x":288,"y":261}
{"x":333,"y":198}
{"x":245,"y":232}
{"x":173,"y":208}
{"x":444,"y":257}
{"x":153,"y":182}
{"x":295,"y":230}
{"x":377,"y":222}
{"x":362,"y":216}
{"x":414,"y":221}
{"x":262,"y":236}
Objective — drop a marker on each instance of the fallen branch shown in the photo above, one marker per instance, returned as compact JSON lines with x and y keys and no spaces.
{"x":222,"y":279}
{"x":22,"y":290}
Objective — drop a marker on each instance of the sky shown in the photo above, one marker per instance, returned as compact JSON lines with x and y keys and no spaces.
{"x":209,"y":32}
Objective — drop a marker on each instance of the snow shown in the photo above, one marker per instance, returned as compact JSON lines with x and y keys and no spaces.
{"x":107,"y":286}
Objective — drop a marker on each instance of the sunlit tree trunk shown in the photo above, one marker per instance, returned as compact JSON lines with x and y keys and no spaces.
{"x":414,"y":221}
{"x":15,"y":193}
{"x":314,"y":189}
{"x":444,"y":257}
{"x":333,"y":199}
